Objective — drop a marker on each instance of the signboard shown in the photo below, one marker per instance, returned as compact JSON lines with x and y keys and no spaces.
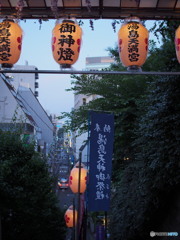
{"x":100,"y":165}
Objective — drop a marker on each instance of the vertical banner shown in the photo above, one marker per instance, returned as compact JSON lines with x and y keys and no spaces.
{"x":100,"y":164}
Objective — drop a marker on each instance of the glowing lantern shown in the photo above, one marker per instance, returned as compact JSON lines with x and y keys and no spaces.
{"x":177,"y":43}
{"x":74,"y":177}
{"x":70,"y":217}
{"x":10,"y":43}
{"x":66,"y":43}
{"x":133,"y":43}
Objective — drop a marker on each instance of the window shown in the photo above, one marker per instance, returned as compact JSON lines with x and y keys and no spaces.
{"x":84,"y":101}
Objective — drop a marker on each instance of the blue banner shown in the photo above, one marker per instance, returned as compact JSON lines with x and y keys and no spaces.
{"x":100,"y":163}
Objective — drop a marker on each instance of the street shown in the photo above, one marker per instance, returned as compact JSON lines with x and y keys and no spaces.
{"x":65,"y":197}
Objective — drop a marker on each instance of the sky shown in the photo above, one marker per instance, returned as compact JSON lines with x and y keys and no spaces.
{"x":36,"y":50}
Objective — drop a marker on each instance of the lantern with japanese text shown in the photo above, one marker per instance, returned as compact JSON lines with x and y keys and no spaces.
{"x":177,"y":43}
{"x":70,"y":217}
{"x":133,"y":43}
{"x":66,"y":43}
{"x":10,"y":43}
{"x":74,"y":178}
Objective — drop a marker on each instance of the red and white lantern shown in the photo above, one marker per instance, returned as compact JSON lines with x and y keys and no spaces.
{"x":10,"y":43}
{"x":74,"y":178}
{"x":70,"y":217}
{"x":177,"y":43}
{"x":133,"y":43}
{"x":66,"y":43}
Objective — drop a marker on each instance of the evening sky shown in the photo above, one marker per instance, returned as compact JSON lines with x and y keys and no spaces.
{"x":36,"y":50}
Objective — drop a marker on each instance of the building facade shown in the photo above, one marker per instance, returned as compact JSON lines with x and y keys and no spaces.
{"x":92,"y":63}
{"x":20,"y":107}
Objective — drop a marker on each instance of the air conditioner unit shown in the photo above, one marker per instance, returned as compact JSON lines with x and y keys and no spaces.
{"x":36,"y":84}
{"x":36,"y":93}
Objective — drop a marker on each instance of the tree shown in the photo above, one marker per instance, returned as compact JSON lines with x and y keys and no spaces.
{"x":147,"y":187}
{"x":28,"y":206}
{"x":120,"y":95}
{"x":147,"y":191}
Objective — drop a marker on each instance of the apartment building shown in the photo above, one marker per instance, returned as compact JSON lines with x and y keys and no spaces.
{"x":92,"y":63}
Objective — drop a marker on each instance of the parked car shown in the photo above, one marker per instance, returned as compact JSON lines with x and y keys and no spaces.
{"x":63,"y":183}
{"x":64,"y":169}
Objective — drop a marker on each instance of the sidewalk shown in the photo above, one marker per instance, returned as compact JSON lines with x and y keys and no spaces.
{"x":90,"y":235}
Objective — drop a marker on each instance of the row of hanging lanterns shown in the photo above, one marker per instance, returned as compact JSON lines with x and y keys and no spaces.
{"x":66,"y":43}
{"x":79,"y":170}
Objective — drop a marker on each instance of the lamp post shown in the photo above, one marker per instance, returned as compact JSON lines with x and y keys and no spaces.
{"x":77,"y":183}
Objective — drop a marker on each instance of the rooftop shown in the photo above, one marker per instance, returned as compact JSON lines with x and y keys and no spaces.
{"x":93,"y":9}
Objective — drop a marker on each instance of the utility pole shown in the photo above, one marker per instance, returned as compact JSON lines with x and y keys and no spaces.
{"x":78,"y":200}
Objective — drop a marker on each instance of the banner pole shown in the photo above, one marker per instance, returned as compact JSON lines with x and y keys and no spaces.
{"x":79,"y":196}
{"x":74,"y":219}
{"x":105,"y":214}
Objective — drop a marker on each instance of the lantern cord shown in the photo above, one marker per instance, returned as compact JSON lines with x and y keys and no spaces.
{"x":54,"y":8}
{"x":88,"y":4}
{"x":19,"y":8}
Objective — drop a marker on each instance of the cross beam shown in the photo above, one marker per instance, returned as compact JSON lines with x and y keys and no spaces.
{"x":87,"y":72}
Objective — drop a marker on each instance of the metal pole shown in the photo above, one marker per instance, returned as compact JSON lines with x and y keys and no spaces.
{"x":79,"y":196}
{"x":0,"y":229}
{"x":87,"y":72}
{"x":105,"y":214}
{"x":74,"y":219}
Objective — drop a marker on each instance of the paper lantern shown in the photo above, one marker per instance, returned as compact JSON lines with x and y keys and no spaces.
{"x":69,"y":217}
{"x":10,"y":43}
{"x":177,"y":43}
{"x":74,"y":178}
{"x":66,"y":43}
{"x":133,"y":43}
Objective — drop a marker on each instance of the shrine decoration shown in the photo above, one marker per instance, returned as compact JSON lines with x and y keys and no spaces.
{"x":74,"y":178}
{"x":66,"y":43}
{"x":177,"y":43}
{"x":133,"y":43}
{"x":70,"y":217}
{"x":10,"y":43}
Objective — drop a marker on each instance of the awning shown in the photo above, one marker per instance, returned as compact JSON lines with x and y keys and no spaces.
{"x":94,"y":9}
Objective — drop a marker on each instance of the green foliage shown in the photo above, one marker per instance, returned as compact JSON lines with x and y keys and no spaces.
{"x":28,"y":205}
{"x":147,"y":123}
{"x":149,"y":186}
{"x":165,"y":29}
{"x":118,"y":94}
{"x":144,"y":198}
